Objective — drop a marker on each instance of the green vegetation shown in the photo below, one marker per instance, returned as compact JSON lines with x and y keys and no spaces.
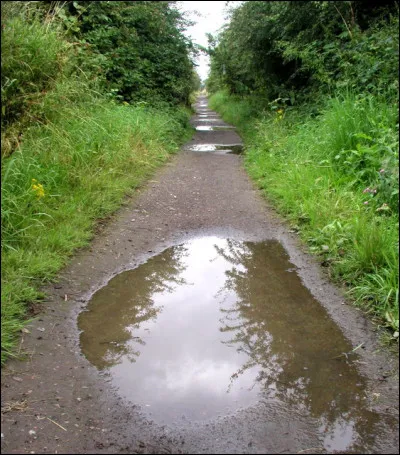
{"x":272,"y":49}
{"x":74,"y":143}
{"x":136,"y":48}
{"x":317,"y":106}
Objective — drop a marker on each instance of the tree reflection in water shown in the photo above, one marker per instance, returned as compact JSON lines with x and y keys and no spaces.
{"x":292,"y":341}
{"x":127,"y":301}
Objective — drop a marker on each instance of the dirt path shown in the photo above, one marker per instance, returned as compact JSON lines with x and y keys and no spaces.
{"x":57,"y":402}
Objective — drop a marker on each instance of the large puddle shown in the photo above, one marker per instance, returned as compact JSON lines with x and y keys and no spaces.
{"x":214,"y":325}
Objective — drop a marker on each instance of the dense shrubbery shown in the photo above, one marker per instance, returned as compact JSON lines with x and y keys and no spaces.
{"x":136,"y":48}
{"x":274,"y":49}
{"x":317,"y":104}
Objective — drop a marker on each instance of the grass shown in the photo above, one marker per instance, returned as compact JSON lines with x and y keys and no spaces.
{"x":333,"y":172}
{"x":86,"y":157}
{"x":33,"y":58}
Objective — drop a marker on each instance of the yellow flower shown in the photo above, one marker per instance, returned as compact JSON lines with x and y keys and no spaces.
{"x":37,"y":188}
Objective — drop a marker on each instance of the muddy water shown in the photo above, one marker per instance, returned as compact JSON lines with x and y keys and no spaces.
{"x":215,"y":325}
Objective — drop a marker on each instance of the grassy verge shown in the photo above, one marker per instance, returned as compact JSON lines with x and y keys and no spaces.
{"x":333,"y":173}
{"x":68,"y":172}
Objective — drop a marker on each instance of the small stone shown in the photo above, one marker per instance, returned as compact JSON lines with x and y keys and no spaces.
{"x":32,"y":432}
{"x":16,"y":378}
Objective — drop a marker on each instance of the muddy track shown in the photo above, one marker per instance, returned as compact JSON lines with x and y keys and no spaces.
{"x":55,"y":401}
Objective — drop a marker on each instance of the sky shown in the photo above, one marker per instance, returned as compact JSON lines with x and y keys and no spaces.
{"x":211,"y":19}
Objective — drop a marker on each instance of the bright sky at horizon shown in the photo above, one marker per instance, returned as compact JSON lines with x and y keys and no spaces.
{"x":212,"y":17}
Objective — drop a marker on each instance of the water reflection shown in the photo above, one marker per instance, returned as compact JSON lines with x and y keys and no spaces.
{"x":293,"y":343}
{"x":235,"y":149}
{"x":118,"y":310}
{"x":214,"y":128}
{"x":213,"y":325}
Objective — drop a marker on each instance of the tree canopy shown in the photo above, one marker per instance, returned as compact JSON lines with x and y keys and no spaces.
{"x":137,"y":48}
{"x":278,"y":47}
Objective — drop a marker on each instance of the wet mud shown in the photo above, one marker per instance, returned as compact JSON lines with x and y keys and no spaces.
{"x":197,"y":323}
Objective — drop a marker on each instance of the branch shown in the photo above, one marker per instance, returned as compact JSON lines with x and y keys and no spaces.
{"x":345,"y":23}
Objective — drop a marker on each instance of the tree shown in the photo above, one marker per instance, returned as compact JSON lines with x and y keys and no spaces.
{"x":137,"y":48}
{"x":272,"y":48}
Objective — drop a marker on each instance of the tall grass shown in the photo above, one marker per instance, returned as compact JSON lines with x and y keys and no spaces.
{"x":239,"y":111}
{"x":33,"y":57}
{"x":86,"y":160}
{"x":335,"y":177}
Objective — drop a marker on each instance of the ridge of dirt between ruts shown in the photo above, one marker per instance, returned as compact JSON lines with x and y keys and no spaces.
{"x":55,"y":401}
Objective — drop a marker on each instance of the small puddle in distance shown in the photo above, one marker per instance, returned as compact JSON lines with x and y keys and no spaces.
{"x":214,"y":325}
{"x":214,"y":128}
{"x":235,"y":149}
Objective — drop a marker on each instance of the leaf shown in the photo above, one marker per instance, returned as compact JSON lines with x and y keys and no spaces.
{"x":363,"y":136}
